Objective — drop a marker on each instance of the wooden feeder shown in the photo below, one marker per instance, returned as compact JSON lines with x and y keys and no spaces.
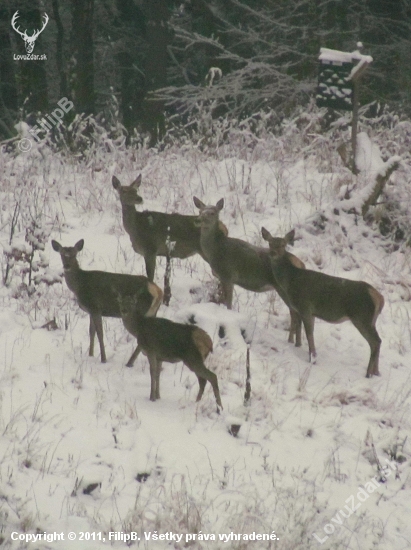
{"x":339,"y":74}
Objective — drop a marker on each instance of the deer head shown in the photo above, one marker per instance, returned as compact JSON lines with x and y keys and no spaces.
{"x":29,"y":41}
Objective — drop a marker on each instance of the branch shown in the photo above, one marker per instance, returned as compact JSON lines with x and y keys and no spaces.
{"x":390,"y":166}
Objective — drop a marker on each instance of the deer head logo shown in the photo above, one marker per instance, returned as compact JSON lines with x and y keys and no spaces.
{"x":29,"y":41}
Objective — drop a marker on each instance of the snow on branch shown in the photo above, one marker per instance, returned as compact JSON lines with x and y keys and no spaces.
{"x":369,"y":162}
{"x":259,"y":55}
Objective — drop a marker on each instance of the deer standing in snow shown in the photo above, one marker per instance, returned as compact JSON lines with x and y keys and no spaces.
{"x":236,"y":262}
{"x":94,"y":292}
{"x":334,"y":299}
{"x":149,"y":230}
{"x":164,"y":340}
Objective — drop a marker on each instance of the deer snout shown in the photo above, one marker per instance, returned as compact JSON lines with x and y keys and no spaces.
{"x":206,"y":218}
{"x":66,"y":260}
{"x":277,"y":252}
{"x":131,"y":200}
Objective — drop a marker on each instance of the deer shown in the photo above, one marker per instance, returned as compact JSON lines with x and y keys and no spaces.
{"x":161,"y":340}
{"x":94,"y":293}
{"x":333,"y":299}
{"x":149,"y":231}
{"x":236,"y":262}
{"x":29,"y":41}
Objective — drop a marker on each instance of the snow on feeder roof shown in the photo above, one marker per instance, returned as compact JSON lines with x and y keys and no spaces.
{"x":336,"y":57}
{"x":337,"y":72}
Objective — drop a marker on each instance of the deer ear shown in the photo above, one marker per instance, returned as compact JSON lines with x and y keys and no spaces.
{"x":137,"y":182}
{"x":265,"y":234}
{"x":79,"y":245}
{"x":116,"y":183}
{"x":198,"y":203}
{"x":56,"y":246}
{"x":220,"y":204}
{"x":289,"y":238}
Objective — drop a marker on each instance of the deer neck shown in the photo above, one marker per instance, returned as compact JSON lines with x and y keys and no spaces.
{"x":72,"y":275}
{"x":133,"y":321}
{"x":283,"y":271}
{"x":129,"y":216}
{"x":208,"y":239}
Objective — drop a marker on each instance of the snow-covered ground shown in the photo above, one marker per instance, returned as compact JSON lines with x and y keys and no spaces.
{"x":83,"y":450}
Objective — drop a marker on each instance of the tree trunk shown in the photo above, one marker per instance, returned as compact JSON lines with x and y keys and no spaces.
{"x":158,"y":39}
{"x":83,"y":49}
{"x":132,"y":25}
{"x":59,"y":49}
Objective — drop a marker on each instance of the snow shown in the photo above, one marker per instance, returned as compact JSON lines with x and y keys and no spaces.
{"x":370,"y":164}
{"x":310,"y":437}
{"x":338,"y":57}
{"x":368,"y":157}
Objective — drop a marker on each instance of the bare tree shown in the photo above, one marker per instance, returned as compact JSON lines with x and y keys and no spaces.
{"x":59,"y":49}
{"x":158,"y":37}
{"x":83,"y":49}
{"x":246,"y":56}
{"x":252,"y":61}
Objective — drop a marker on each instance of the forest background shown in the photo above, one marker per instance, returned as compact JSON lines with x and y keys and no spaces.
{"x":141,"y":61}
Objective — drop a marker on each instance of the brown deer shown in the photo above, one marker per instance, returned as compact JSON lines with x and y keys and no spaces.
{"x":149,"y":230}
{"x":334,"y":299}
{"x":164,"y":340}
{"x":94,"y":292}
{"x":236,"y":262}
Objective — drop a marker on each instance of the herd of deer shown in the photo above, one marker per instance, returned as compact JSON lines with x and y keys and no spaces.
{"x":136,"y":298}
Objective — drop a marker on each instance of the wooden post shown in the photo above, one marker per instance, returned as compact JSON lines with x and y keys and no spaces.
{"x":354,"y":127}
{"x":247,"y":393}
{"x":167,"y":275}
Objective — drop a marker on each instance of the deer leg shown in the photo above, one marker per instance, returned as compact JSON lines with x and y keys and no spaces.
{"x":228,"y":289}
{"x":212,"y":378}
{"x":370,"y":333}
{"x":308,"y":321}
{"x":202,"y":372}
{"x":202,"y":383}
{"x":298,"y":324}
{"x":295,"y":328}
{"x":98,"y":324}
{"x":150,"y":261}
{"x":92,"y":332}
{"x":133,"y":357}
{"x":152,"y":359}
{"x":374,"y":358}
{"x":292,"y":328}
{"x":159,"y":369}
